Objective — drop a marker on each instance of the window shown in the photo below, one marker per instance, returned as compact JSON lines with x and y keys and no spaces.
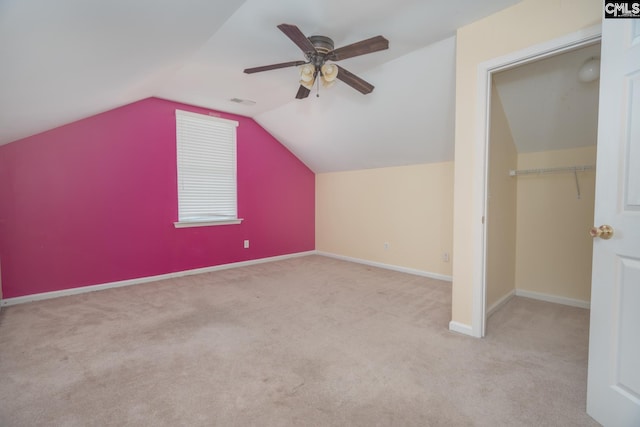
{"x":206,"y":154}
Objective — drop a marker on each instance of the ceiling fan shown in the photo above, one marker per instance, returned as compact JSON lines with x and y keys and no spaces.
{"x":318,"y":51}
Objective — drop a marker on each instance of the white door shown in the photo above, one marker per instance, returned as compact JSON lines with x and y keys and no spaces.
{"x":613,"y":396}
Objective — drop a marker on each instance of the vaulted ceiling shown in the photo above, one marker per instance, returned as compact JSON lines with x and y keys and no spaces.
{"x":69,"y":59}
{"x":546,"y":104}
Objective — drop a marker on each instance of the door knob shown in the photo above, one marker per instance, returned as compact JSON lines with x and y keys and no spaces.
{"x":603,"y":232}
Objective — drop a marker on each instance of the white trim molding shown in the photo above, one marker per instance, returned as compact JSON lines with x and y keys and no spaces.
{"x":553,"y":298}
{"x":141,"y":280}
{"x":483,"y":96}
{"x":500,"y":303}
{"x":537,"y":296}
{"x":461,"y":328}
{"x":407,"y":270}
{"x":187,"y":224}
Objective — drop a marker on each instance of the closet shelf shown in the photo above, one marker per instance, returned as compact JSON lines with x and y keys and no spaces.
{"x":564,"y":169}
{"x":573,"y":169}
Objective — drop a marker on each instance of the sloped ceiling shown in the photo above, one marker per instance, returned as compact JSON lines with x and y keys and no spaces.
{"x":547,"y":106}
{"x":69,"y":59}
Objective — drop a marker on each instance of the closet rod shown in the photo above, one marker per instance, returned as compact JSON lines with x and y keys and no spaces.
{"x":564,"y":169}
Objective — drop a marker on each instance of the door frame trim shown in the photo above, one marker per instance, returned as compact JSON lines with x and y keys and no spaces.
{"x":486,"y":69}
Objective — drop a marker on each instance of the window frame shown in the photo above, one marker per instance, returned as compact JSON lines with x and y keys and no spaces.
{"x":182,"y":118}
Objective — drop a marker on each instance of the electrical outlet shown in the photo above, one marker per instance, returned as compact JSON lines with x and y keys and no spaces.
{"x":246,"y":244}
{"x":445,"y":257}
{"x":386,"y":246}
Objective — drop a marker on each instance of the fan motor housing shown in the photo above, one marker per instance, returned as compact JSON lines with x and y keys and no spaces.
{"x":322,"y":44}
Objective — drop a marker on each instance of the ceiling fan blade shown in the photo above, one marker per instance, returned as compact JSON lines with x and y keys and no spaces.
{"x":303,"y":92}
{"x":274,"y":66}
{"x":363,"y":47}
{"x":354,"y":81}
{"x":297,"y":37}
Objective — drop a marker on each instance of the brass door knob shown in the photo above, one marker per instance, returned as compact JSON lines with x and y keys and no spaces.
{"x":603,"y":232}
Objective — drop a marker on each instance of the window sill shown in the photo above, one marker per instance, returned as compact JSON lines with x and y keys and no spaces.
{"x":206,"y":223}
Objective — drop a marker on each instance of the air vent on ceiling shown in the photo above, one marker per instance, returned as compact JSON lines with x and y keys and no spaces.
{"x":242,"y":101}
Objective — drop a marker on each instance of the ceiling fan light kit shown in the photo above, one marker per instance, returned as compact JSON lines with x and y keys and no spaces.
{"x":308,"y":74}
{"x":329,"y":72}
{"x":318,"y":50}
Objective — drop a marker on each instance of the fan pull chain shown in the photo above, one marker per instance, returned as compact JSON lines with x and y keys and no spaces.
{"x":318,"y":87}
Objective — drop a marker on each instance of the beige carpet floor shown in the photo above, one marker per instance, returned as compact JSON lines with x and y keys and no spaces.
{"x":308,"y":341}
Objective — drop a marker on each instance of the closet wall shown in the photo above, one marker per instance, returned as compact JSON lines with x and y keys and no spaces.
{"x":501,"y":218}
{"x":538,"y":243}
{"x":553,"y":246}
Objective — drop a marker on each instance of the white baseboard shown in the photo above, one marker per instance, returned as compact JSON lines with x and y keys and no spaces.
{"x":138,"y":281}
{"x":388,"y":266}
{"x":461,"y":328}
{"x":539,"y":296}
{"x":553,"y":298}
{"x":498,"y":304}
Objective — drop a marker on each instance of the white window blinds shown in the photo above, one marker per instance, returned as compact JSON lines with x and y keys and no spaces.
{"x":206,"y":153}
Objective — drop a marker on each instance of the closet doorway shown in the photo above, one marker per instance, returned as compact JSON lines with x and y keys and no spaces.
{"x":540,"y":184}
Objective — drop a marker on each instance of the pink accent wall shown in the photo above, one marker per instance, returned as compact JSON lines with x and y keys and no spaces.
{"x":94,"y":202}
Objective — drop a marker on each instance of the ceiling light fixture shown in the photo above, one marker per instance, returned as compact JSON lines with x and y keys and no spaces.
{"x":590,"y":70}
{"x":317,"y":51}
{"x":318,"y":65}
{"x":327,"y":72}
{"x":307,"y":75}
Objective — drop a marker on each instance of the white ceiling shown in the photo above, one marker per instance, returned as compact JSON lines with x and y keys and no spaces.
{"x":547,"y":107}
{"x":69,"y":59}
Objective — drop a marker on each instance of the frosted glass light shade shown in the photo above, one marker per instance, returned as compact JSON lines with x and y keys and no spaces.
{"x":329,"y":72}
{"x":590,"y":70}
{"x":307,"y":75}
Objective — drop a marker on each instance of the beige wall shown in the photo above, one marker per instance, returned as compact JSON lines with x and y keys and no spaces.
{"x":554,"y":248}
{"x":501,"y":207}
{"x":526,"y":24}
{"x":408,"y":207}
